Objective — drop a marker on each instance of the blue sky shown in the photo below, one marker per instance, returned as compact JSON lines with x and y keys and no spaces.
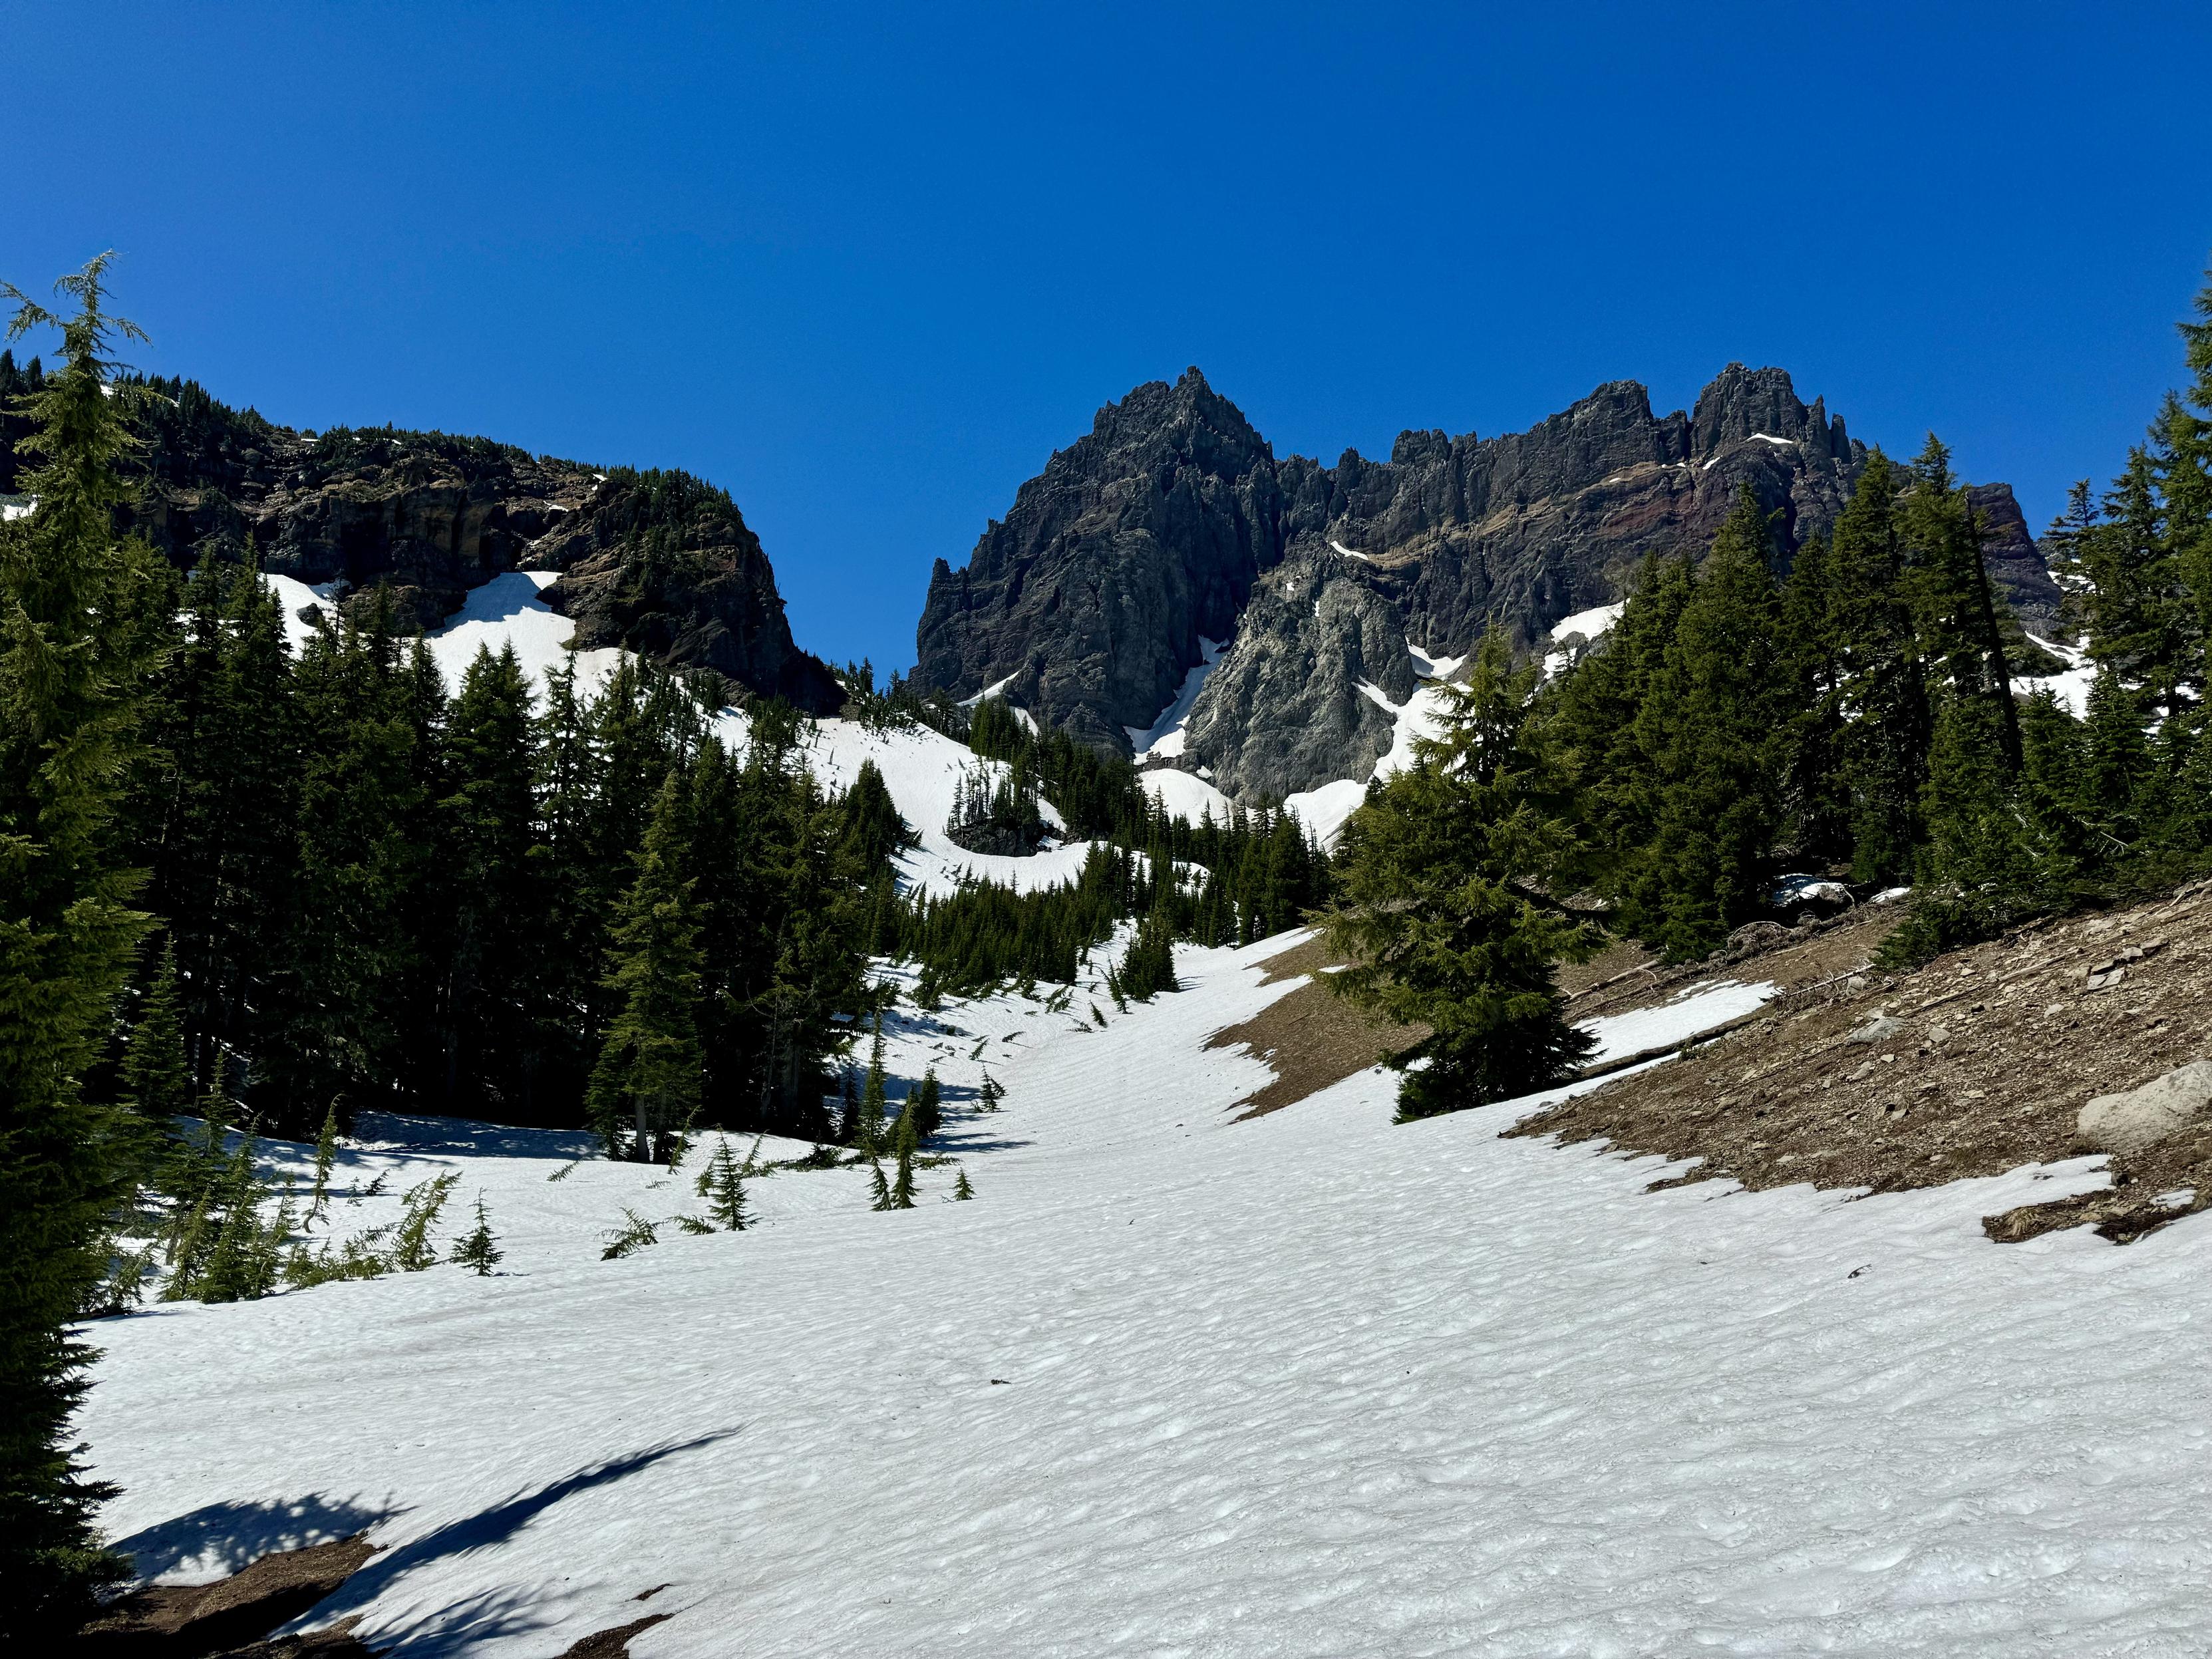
{"x":867,"y":266}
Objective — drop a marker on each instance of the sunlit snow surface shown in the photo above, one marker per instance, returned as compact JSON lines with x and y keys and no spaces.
{"x":1311,"y":1384}
{"x":506,"y":611}
{"x":2070,"y":686}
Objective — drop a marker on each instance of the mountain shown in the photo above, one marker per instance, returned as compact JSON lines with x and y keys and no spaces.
{"x":658,"y":562}
{"x":1172,"y":525}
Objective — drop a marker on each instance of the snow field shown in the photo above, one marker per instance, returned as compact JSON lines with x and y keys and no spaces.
{"x":1310,"y":1384}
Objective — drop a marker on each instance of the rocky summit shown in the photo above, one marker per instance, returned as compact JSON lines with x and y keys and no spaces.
{"x":658,"y":561}
{"x":1172,"y":524}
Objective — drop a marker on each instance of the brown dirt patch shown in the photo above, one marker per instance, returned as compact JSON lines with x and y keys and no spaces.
{"x":615,"y":1644}
{"x":1994,"y":1051}
{"x":1313,"y":1037}
{"x":233,"y":1615}
{"x":1310,"y":1039}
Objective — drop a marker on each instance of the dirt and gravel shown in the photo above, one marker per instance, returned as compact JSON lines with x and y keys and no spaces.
{"x":1975,"y":1064}
{"x":233,"y":1617}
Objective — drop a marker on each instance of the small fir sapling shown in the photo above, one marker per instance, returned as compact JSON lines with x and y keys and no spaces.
{"x":480,"y":1249}
{"x":962,"y":1189}
{"x":871,"y":1137}
{"x":722,"y":1184}
{"x":326,"y":1152}
{"x":925,"y":1108}
{"x":633,"y":1236}
{"x":411,"y":1249}
{"x":879,"y":1189}
{"x":991,"y":1093}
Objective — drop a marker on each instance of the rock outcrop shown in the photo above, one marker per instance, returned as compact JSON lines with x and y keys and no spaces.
{"x":1089,"y":599}
{"x":1172,"y":521}
{"x":658,"y":561}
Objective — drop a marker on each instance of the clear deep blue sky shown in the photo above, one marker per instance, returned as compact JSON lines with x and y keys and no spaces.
{"x":867,"y":266}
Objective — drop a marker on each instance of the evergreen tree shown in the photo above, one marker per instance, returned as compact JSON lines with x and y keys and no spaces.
{"x":157,"y":1079}
{"x":962,"y":1189}
{"x":925,"y":1106}
{"x":992,"y":1092}
{"x":480,"y":1249}
{"x":491,"y":900}
{"x":2185,"y":444}
{"x":646,"y":1086}
{"x":1982,"y":869}
{"x":1716,"y":723}
{"x":902,"y":1184}
{"x":723,"y":1185}
{"x":1886,"y":733}
{"x":73,"y":664}
{"x":1816,"y":814}
{"x":871,"y":1137}
{"x":1442,"y":910}
{"x":878,"y":1189}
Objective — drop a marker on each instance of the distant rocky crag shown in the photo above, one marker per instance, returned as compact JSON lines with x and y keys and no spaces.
{"x":1172,"y":522}
{"x":658,"y":561}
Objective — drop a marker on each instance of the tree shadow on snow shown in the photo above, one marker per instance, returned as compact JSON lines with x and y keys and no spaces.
{"x":477,"y":1618}
{"x":392,"y":1134}
{"x":951,"y":1141}
{"x":217,"y":1539}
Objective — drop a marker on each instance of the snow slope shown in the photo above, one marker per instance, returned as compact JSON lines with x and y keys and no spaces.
{"x":1308,"y":1384}
{"x":2070,"y":686}
{"x":922,"y":768}
{"x":1165,"y":737}
{"x":506,"y":611}
{"x":1186,"y":794}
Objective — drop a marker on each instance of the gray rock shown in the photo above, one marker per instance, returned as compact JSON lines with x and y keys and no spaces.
{"x":2143,"y":1116}
{"x":1171,"y":520}
{"x":1093,"y":594}
{"x":1883,"y":1027}
{"x":428,"y":516}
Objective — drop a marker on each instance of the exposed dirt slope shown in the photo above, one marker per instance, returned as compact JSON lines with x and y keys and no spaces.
{"x":1976,"y":1064}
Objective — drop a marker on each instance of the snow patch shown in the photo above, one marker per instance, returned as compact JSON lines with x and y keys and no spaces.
{"x":1324,"y":809}
{"x":1166,"y":734}
{"x":1363,"y":557}
{"x":1807,"y":888}
{"x":1591,"y":625}
{"x":1185,"y":795}
{"x":2070,"y":686}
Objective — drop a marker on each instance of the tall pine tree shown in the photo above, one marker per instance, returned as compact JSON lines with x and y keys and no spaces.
{"x":73,"y":665}
{"x":646,"y":1086}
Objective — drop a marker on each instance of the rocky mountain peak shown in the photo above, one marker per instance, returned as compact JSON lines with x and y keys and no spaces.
{"x":1742,"y":403}
{"x":1090,"y":598}
{"x":1172,"y":522}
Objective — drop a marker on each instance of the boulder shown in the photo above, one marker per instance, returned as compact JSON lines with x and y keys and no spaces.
{"x":1883,"y":1027}
{"x":2142,"y":1116}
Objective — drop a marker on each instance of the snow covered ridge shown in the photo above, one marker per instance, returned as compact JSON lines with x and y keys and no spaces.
{"x":1310,"y":1384}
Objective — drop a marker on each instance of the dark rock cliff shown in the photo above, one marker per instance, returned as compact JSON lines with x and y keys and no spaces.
{"x":658,"y":561}
{"x":1091,"y":595}
{"x":1171,"y":520}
